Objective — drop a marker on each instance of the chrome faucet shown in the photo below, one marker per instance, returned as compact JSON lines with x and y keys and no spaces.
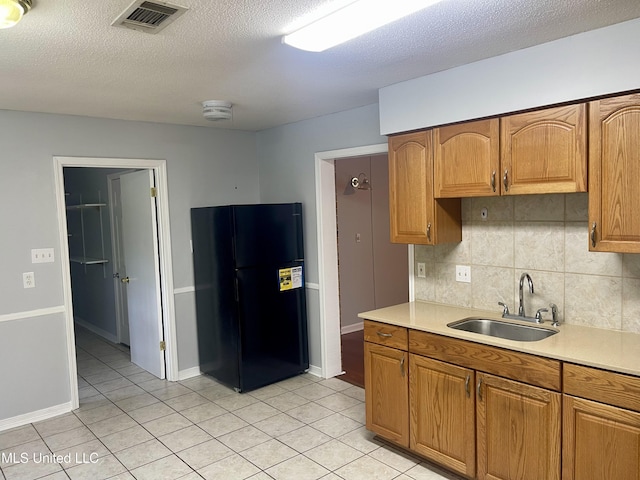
{"x":521,"y":304}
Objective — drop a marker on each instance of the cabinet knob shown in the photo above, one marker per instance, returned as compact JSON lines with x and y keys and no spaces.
{"x":385,"y":335}
{"x":505,"y":180}
{"x":402,"y":365}
{"x":429,"y":231}
{"x":125,"y":280}
{"x":593,"y":235}
{"x":466,"y":386}
{"x":493,"y":180}
{"x":479,"y":389}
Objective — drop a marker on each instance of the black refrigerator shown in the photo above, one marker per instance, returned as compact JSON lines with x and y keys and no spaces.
{"x":248,"y":263}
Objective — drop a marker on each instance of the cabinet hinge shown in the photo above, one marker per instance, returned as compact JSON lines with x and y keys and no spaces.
{"x":163,"y":346}
{"x":154,"y":192}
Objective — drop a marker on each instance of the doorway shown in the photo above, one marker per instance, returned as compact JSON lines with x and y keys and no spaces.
{"x":373,"y":272}
{"x":330,"y":341}
{"x":92,"y":250}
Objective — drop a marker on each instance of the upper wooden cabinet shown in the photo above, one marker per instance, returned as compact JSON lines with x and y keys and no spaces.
{"x":543,"y":151}
{"x":614,"y":170}
{"x":467,"y":159}
{"x":415,"y":215}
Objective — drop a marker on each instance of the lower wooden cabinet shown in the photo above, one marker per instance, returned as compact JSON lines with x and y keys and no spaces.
{"x":432,"y":395}
{"x":601,"y":442}
{"x":519,"y":430}
{"x":442,"y":413}
{"x":387,"y":392}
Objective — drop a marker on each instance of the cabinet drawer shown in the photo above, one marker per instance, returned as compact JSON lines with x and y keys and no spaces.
{"x":384,"y":334}
{"x":523,"y":367}
{"x":602,"y":386}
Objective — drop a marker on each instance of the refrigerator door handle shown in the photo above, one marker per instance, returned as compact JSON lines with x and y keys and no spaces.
{"x":236,"y":289}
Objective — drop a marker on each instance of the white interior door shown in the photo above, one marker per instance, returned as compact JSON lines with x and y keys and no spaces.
{"x":140,"y":237}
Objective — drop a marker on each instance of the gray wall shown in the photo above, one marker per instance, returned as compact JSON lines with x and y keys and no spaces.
{"x":589,"y":64}
{"x":205,"y":167}
{"x":286,"y":158}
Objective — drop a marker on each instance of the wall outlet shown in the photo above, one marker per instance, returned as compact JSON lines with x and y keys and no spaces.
{"x":422,"y":271}
{"x":28,"y":280}
{"x":463,"y":273}
{"x":42,"y":255}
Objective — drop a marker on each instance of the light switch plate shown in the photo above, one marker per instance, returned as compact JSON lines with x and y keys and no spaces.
{"x":463,"y":273}
{"x":42,"y":255}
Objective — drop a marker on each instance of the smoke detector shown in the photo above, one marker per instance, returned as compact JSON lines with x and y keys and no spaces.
{"x":216,"y":110}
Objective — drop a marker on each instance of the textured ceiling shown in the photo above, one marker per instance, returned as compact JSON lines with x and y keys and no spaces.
{"x":65,"y":57}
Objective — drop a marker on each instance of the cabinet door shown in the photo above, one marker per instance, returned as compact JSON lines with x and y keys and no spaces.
{"x":518,"y":429}
{"x":387,"y":392}
{"x":545,"y":151}
{"x":600,"y":442}
{"x":466,"y":158}
{"x":415,"y":216}
{"x":614,"y":170}
{"x":442,"y":413}
{"x":411,"y":188}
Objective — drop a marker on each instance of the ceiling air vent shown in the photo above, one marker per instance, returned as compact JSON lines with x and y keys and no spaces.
{"x":149,"y":17}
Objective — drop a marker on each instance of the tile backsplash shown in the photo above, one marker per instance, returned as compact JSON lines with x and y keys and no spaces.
{"x":546,"y":236}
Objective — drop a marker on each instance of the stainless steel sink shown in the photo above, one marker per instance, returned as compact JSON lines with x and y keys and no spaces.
{"x":502,"y":329}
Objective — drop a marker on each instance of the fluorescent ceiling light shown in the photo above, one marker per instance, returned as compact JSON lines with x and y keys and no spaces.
{"x":349,"y":22}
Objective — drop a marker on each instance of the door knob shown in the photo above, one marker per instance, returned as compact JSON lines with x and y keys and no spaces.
{"x":125,"y":280}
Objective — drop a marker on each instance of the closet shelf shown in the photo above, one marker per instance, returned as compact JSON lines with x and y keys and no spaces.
{"x":86,"y":249}
{"x":88,"y":260}
{"x":82,"y":206}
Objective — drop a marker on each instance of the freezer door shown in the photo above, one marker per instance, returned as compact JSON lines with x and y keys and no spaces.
{"x":267,"y":234}
{"x":273,"y":327}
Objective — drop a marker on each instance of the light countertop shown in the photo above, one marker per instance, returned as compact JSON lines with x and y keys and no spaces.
{"x":607,"y":349}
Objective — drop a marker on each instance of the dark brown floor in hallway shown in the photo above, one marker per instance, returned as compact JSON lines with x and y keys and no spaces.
{"x":353,"y":358}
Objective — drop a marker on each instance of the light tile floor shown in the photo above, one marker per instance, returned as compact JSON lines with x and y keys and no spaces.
{"x":132,"y":425}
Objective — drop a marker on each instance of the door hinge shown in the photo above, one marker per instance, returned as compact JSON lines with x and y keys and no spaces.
{"x":154,"y":192}
{"x":163,"y":346}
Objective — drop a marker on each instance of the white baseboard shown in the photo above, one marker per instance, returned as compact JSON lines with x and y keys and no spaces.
{"x":36,"y":416}
{"x":97,"y":330}
{"x":188,"y":373}
{"x":317,"y":371}
{"x":356,"y":327}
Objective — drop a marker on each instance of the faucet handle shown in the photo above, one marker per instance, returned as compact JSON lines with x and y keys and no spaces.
{"x":505,"y":308}
{"x":539,"y":314}
{"x":554,"y":315}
